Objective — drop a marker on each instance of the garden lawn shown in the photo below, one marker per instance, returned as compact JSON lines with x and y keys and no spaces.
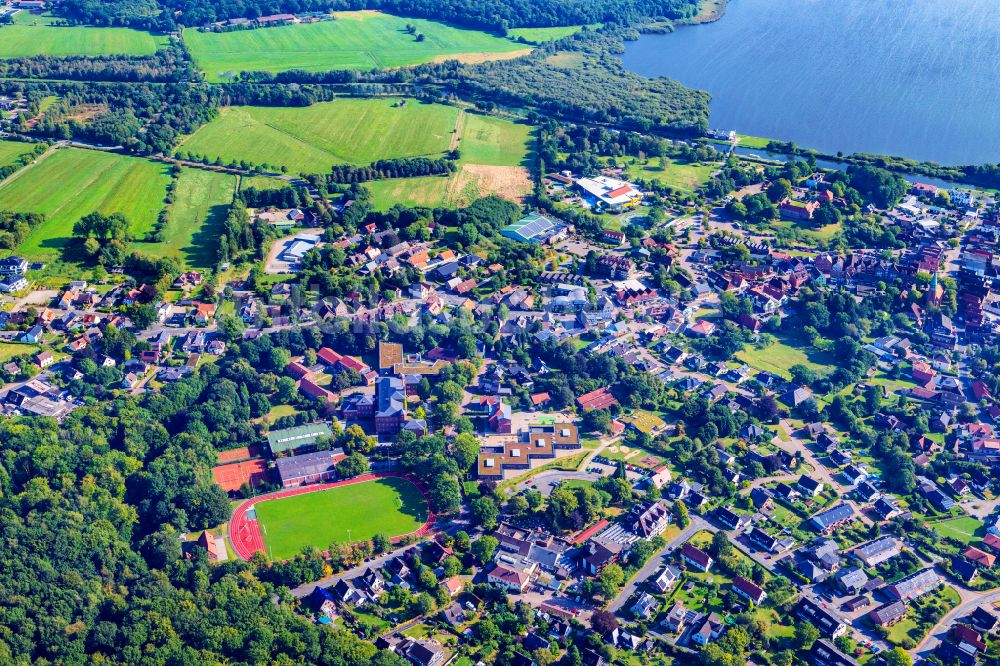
{"x":965,"y":529}
{"x":24,"y":39}
{"x":196,"y":218}
{"x":355,"y":40}
{"x":314,"y":138}
{"x":346,"y":514}
{"x":781,"y":356}
{"x":71,"y":183}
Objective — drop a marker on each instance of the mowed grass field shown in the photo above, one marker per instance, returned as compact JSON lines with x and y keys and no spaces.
{"x":347,"y":514}
{"x":680,"y":176}
{"x":196,"y":218}
{"x":71,"y":183}
{"x":965,"y":529}
{"x":9,"y":350}
{"x":312,"y":139}
{"x":24,"y":38}
{"x":11,"y":150}
{"x":780,"y":357}
{"x":493,"y":141}
{"x":540,"y":35}
{"x":355,"y":40}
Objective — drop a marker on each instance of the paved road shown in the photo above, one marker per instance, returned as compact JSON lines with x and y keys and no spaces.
{"x":657,"y":561}
{"x":546,"y":482}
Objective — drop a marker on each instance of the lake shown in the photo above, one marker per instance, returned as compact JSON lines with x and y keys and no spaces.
{"x":915,"y":78}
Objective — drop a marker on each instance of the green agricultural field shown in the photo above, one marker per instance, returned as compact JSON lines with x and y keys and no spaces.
{"x":345,"y":514}
{"x":26,"y":38}
{"x":540,"y":35}
{"x":493,"y":141}
{"x":494,"y":152}
{"x":71,"y":183}
{"x":263,"y":183}
{"x":355,"y":40}
{"x":428,"y":191}
{"x":678,"y":175}
{"x":314,"y":138}
{"x":196,"y":218}
{"x":11,"y":150}
{"x":781,"y":356}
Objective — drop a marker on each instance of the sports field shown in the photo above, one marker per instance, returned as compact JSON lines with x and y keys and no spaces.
{"x":314,"y":138}
{"x":965,"y":529}
{"x":355,"y":40}
{"x":70,"y":183}
{"x":196,"y":218}
{"x":346,"y":514}
{"x":31,"y":35}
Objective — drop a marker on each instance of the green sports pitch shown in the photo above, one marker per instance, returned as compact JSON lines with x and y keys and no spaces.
{"x":341,"y":515}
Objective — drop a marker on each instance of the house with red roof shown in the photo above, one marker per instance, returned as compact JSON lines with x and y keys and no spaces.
{"x":922,"y":372}
{"x":696,"y":557}
{"x":979,"y":557}
{"x":749,"y":590}
{"x":297,"y":370}
{"x":599,"y":399}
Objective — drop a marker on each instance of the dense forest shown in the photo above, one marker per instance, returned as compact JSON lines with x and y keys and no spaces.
{"x":581,"y":78}
{"x":496,"y":16}
{"x":92,"y":512}
{"x":166,"y":65}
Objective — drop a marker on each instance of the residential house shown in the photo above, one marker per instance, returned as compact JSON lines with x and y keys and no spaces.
{"x":696,"y":558}
{"x":915,"y":585}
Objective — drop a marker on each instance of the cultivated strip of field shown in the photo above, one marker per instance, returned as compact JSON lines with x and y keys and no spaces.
{"x":24,"y":39}
{"x":355,"y":40}
{"x":494,"y":156}
{"x":191,"y":234}
{"x":314,"y":138}
{"x":70,"y":183}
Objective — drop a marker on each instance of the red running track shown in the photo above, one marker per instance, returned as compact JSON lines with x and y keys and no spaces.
{"x":245,"y":534}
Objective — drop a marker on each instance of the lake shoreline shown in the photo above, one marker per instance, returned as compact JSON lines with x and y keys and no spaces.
{"x":892,"y":75}
{"x":717,"y":12}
